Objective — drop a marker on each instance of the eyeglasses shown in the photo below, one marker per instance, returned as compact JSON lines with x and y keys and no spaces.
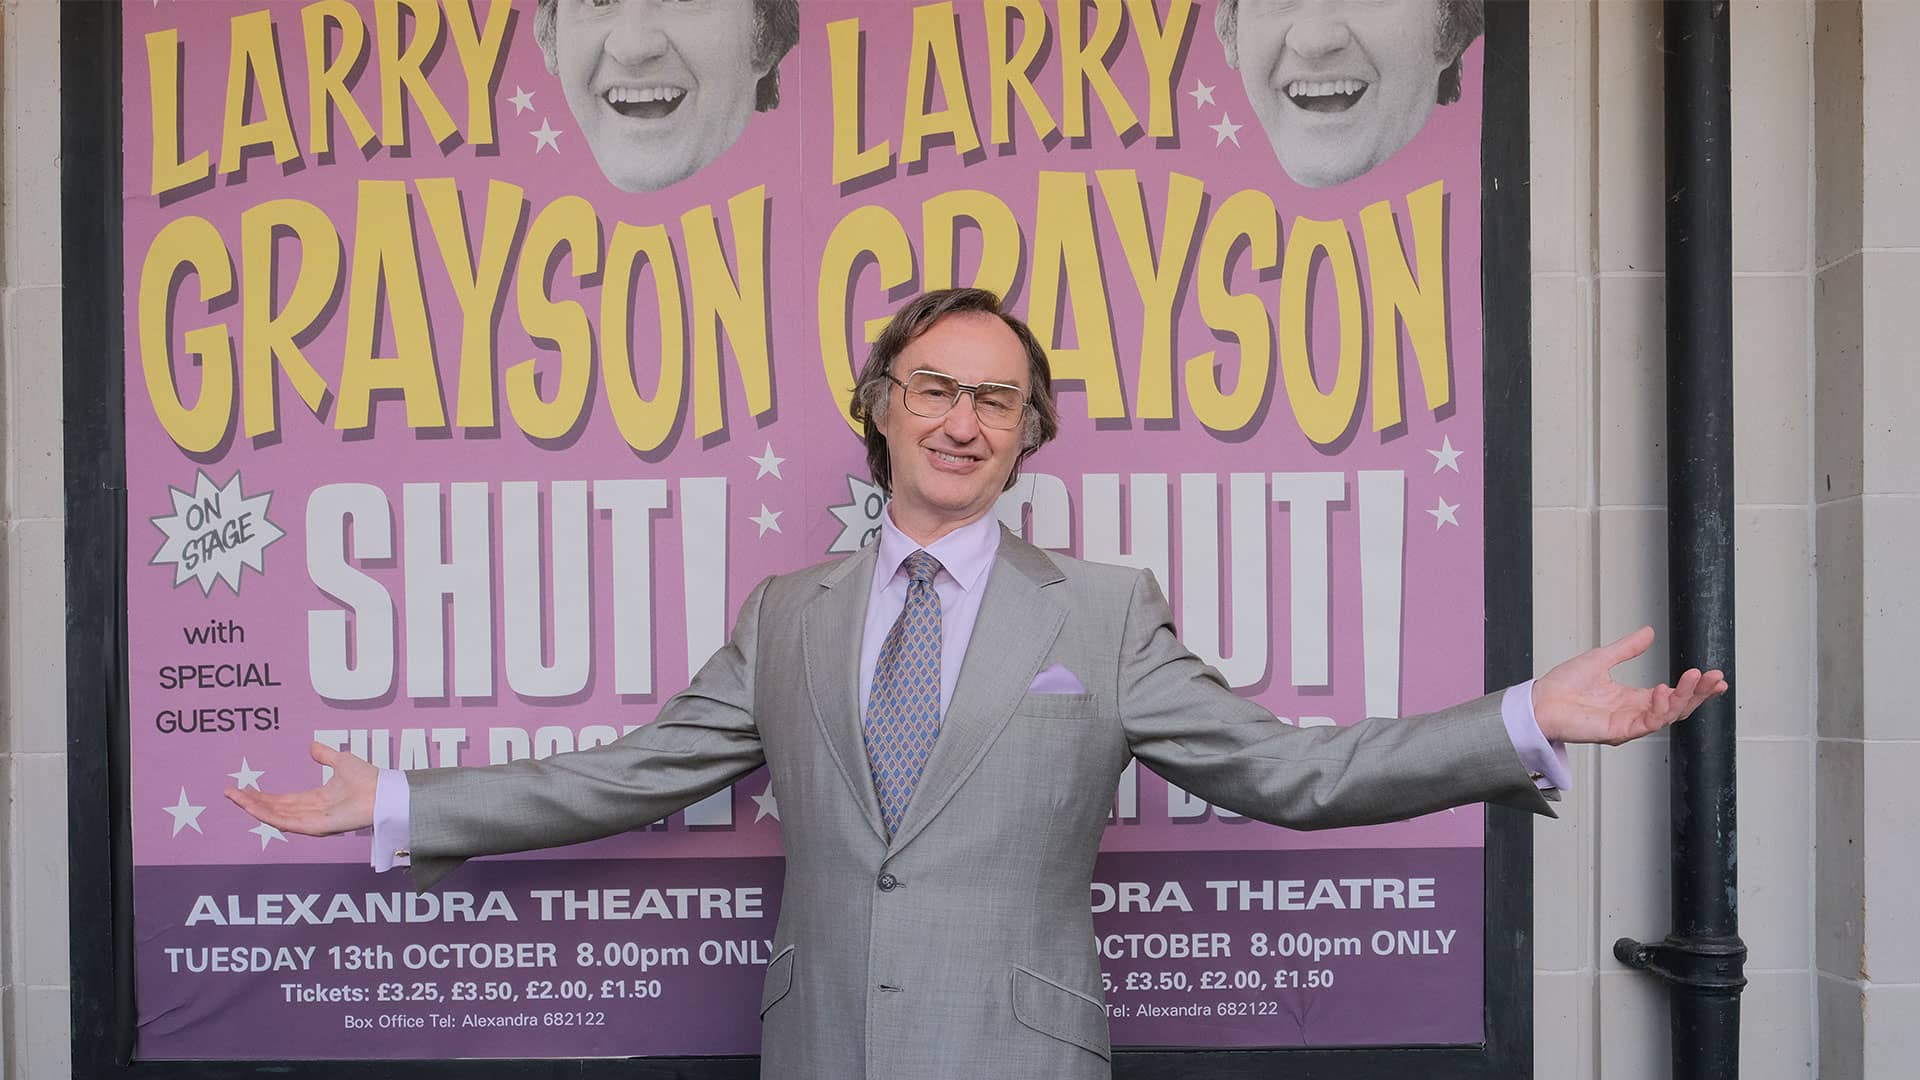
{"x":932,"y":394}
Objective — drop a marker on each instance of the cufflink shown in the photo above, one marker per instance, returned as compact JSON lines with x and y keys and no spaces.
{"x":1536,"y":776}
{"x":402,"y":853}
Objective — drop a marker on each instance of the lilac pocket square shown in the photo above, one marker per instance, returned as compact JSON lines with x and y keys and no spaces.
{"x":1056,"y":679}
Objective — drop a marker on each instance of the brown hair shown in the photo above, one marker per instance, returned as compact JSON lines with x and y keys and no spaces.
{"x":776,"y":28}
{"x":873,"y":392}
{"x":1460,"y":21}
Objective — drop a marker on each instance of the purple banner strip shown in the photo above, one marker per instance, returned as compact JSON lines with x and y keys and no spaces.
{"x":1306,"y":948}
{"x":665,"y":957}
{"x":509,"y":959}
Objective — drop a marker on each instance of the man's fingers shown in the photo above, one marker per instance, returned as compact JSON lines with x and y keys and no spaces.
{"x":1701,"y":688}
{"x":1688,"y":684}
{"x":1626,"y":648}
{"x":258,"y":806}
{"x":301,"y":812}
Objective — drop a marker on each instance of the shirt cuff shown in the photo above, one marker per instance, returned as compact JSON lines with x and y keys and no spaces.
{"x":1546,"y":761}
{"x":392,"y":827}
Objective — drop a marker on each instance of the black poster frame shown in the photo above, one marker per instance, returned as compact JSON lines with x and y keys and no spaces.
{"x":99,"y":851}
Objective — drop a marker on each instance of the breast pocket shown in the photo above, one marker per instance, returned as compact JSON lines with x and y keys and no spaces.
{"x":1060,"y":706}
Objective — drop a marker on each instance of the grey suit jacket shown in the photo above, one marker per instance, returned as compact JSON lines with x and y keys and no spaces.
{"x":963,"y":945}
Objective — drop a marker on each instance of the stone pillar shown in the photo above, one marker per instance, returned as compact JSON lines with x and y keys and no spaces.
{"x":1867,"y":482}
{"x":33,"y":681}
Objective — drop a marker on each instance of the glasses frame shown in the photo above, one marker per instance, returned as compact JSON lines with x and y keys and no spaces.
{"x":970,"y":389}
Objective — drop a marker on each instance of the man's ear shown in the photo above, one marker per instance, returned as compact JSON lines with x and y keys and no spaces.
{"x":1229,"y":35}
{"x":763,"y":58}
{"x":546,"y":34}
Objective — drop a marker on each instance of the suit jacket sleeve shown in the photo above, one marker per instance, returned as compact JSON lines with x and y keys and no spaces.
{"x":702,"y":740}
{"x":1183,"y":721}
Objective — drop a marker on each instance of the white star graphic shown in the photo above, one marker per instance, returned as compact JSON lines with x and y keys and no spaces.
{"x":1443,"y":513}
{"x":1224,"y":130}
{"x":767,"y":519}
{"x":768,"y":464}
{"x":765,"y":806}
{"x":1202,"y":94}
{"x":247,"y":777}
{"x":1446,"y":457}
{"x":185,"y":815}
{"x":267,"y":834}
{"x":545,"y":136}
{"x":522,"y":99}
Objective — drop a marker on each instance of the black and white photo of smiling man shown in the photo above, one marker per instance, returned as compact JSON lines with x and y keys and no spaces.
{"x":1340,"y":85}
{"x":662,"y":87}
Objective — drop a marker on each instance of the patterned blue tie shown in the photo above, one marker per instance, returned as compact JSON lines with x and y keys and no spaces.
{"x":903,"y":708}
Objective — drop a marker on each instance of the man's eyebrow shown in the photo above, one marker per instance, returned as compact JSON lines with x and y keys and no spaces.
{"x":963,"y":382}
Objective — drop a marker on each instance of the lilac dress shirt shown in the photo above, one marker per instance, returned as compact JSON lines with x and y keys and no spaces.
{"x":965,"y":555}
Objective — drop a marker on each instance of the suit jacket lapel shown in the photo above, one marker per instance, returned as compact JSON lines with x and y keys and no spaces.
{"x":830,"y":636}
{"x":1015,"y":628}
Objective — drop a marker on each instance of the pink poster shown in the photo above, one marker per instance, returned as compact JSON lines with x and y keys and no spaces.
{"x":482,"y":357}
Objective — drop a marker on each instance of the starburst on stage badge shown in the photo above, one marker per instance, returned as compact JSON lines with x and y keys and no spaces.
{"x":214,"y":532}
{"x":860,"y":518}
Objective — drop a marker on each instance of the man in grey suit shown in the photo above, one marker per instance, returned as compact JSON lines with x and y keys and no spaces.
{"x":946,"y":715}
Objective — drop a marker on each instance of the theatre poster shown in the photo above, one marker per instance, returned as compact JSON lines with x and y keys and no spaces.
{"x":480,"y":358}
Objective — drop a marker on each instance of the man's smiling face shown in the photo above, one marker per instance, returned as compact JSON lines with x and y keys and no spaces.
{"x":1339,"y":85}
{"x":659,"y":87}
{"x":950,"y":470}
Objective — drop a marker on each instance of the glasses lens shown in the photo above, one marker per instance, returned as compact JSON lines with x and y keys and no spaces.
{"x":929,"y":394}
{"x":997,"y":405}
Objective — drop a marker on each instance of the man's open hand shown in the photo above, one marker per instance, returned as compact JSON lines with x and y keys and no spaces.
{"x":1580,"y":702}
{"x":344,"y":803}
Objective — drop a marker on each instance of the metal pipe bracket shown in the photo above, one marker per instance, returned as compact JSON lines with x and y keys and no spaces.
{"x":1705,"y":965}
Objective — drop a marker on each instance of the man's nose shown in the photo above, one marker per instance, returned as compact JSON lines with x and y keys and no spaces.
{"x":639,"y":35}
{"x":962,"y":423}
{"x":1318,"y":30}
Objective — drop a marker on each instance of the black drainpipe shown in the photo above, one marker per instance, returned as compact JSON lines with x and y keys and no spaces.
{"x":1702,"y":956}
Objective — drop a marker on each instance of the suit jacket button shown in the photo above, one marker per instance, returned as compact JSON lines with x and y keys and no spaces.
{"x":888,"y":883}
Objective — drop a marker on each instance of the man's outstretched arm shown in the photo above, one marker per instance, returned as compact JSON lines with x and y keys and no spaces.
{"x":1183,"y":722}
{"x":703,"y":738}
